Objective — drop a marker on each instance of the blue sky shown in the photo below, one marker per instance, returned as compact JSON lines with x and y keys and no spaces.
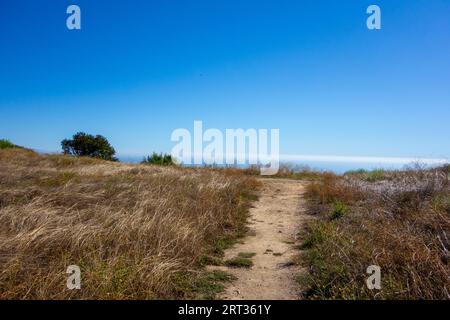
{"x":140,"y":69}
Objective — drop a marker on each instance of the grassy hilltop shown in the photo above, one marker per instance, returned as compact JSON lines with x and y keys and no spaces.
{"x":147,"y":231}
{"x":136,"y":231}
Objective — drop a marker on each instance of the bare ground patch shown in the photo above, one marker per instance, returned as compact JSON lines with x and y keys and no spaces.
{"x":270,"y":246}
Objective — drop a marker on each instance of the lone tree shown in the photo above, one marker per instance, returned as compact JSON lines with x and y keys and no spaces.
{"x":83,"y":144}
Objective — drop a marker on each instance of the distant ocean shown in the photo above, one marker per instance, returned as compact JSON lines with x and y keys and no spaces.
{"x":340,"y":165}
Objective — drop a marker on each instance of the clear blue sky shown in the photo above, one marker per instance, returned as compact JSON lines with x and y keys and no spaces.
{"x":140,"y":69}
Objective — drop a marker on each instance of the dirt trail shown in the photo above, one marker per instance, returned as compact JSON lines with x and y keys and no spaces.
{"x":275,"y":222}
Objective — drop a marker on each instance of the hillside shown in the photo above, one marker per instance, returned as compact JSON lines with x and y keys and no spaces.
{"x":136,"y":231}
{"x":396,"y":220}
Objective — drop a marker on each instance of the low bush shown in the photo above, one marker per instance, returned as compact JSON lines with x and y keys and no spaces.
{"x":375,"y":175}
{"x":159,"y":159}
{"x":339,"y":209}
{"x":6,"y":144}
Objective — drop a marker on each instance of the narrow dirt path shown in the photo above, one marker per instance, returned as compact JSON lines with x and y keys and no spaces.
{"x":275,"y":221}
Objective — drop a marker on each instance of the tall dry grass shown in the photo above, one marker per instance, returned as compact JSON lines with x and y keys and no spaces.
{"x":134,"y":230}
{"x":399,"y":220}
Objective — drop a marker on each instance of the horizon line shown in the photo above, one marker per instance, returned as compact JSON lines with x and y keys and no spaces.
{"x":320,"y":158}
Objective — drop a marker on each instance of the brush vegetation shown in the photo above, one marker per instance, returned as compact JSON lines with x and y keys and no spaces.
{"x":136,"y":231}
{"x":398,"y":220}
{"x":159,"y":159}
{"x":6,"y":144}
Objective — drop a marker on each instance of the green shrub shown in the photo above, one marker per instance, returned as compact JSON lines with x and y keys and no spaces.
{"x":356,"y":172}
{"x":339,"y":210}
{"x":375,"y":175}
{"x":6,"y":144}
{"x":87,"y":145}
{"x":159,"y":159}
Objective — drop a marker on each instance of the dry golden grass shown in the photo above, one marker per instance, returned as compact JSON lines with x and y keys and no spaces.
{"x":399,"y":221}
{"x":136,"y":231}
{"x":287,"y":171}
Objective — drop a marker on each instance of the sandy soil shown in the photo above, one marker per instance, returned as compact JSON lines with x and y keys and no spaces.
{"x":274,"y":224}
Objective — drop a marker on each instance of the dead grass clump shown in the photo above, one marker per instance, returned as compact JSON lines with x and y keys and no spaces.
{"x":134,"y":230}
{"x":331,"y":189}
